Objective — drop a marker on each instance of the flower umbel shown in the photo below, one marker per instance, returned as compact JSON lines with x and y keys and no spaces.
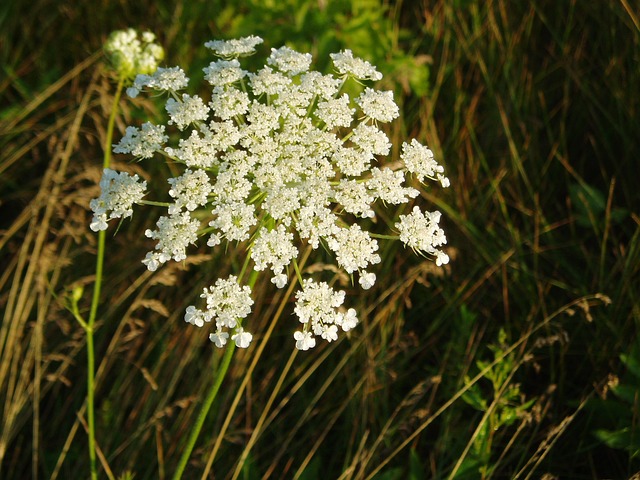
{"x":119,"y":192}
{"x":274,"y":159}
{"x":130,"y":55}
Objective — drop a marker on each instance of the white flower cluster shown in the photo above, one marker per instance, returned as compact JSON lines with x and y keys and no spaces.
{"x":119,"y":191}
{"x":227,"y":303}
{"x":130,"y":55}
{"x":276,"y":157}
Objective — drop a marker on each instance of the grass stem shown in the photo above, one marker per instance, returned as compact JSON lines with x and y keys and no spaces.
{"x":95,"y":300}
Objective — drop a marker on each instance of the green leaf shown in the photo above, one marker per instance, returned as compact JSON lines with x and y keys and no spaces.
{"x":624,"y":439}
{"x":628,"y":393}
{"x":416,"y":468}
{"x":473,"y":397}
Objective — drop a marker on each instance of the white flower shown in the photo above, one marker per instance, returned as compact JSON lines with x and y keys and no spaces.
{"x":197,"y":151}
{"x":348,"y":321}
{"x":227,"y":302}
{"x":234,"y":220}
{"x":335,"y":112}
{"x":273,"y":248}
{"x":421,"y":232}
{"x":386,"y":185}
{"x":315,"y":221}
{"x":119,"y":191}
{"x":355,"y":198}
{"x":174,"y":234}
{"x":304,"y":340}
{"x":347,"y":64}
{"x":143,"y":142}
{"x":224,"y":72}
{"x":276,"y":156}
{"x":316,"y":307}
{"x":195,"y":316}
{"x":378,"y":105}
{"x":329,"y":332}
{"x":129,"y":55}
{"x":371,"y":140}
{"x":269,"y":82}
{"x":351,"y":161}
{"x":219,"y":338}
{"x":324,"y":86}
{"x":239,"y":47}
{"x":190,"y":190}
{"x":354,"y":248}
{"x":367,"y":280}
{"x":289,"y":61}
{"x":316,"y":302}
{"x":242,"y":338}
{"x":189,"y":110}
{"x":232,"y":186}
{"x":170,"y":79}
{"x":282,"y":203}
{"x":279,"y":280}
{"x":228,"y":102}
{"x":419,"y":160}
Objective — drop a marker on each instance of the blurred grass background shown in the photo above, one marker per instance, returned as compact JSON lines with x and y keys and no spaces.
{"x":519,"y":360}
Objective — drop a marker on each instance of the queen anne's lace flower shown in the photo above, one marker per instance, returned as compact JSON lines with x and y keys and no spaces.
{"x":174,"y":234}
{"x":189,"y":110}
{"x":119,"y":191}
{"x":275,"y":249}
{"x":224,"y":72}
{"x":347,"y":64}
{"x":227,"y":304}
{"x":386,"y":185}
{"x":371,"y":140}
{"x":378,"y":105}
{"x":237,"y":47}
{"x":163,"y":79}
{"x":190,"y":190}
{"x":354,"y":248}
{"x":421,"y":232}
{"x":269,"y":82}
{"x":276,"y":156}
{"x":143,"y":142}
{"x":229,"y":102}
{"x":336,"y":112}
{"x":419,"y":160}
{"x":290,"y":61}
{"x":130,"y":56}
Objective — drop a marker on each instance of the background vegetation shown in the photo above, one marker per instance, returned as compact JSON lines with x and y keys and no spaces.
{"x":519,"y":360}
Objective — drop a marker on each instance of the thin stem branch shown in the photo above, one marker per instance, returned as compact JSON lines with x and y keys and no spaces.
{"x":95,"y":299}
{"x":206,"y":406}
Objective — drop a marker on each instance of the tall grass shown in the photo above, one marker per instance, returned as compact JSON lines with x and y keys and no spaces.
{"x":503,"y":365}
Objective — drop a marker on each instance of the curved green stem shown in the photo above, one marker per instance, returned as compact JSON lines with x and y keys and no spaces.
{"x":95,"y":299}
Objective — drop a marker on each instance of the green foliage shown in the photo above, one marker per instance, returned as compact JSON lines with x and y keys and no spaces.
{"x":620,"y":412}
{"x":503,"y":404}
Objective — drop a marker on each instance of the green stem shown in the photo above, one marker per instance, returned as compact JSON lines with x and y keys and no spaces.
{"x":383,"y":237}
{"x":95,"y":300}
{"x":211,"y":396}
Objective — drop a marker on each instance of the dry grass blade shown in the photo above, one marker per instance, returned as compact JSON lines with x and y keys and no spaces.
{"x":16,"y":364}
